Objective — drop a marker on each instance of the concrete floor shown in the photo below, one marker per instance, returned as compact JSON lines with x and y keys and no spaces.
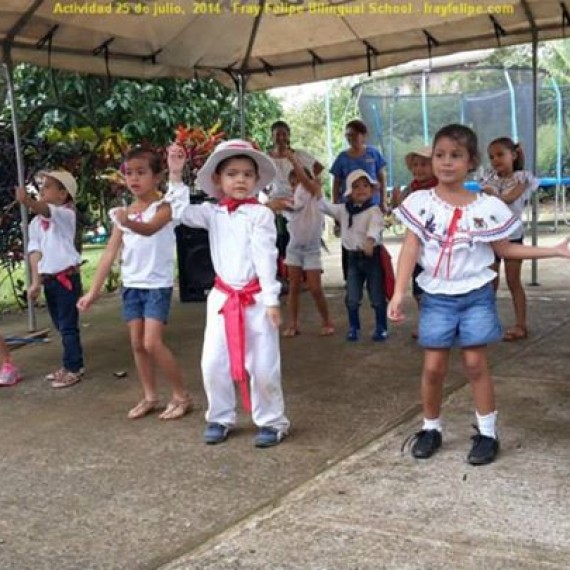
{"x":83,"y":487}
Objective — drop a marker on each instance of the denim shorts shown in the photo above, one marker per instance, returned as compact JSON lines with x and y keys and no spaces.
{"x":470,"y":319}
{"x":146,"y":303}
{"x":305,"y":257}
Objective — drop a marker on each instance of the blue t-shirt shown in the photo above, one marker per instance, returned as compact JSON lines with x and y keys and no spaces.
{"x":371,"y":161}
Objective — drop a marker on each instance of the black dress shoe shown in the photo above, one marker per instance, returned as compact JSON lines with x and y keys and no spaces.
{"x":484,"y":450}
{"x":427,"y":442}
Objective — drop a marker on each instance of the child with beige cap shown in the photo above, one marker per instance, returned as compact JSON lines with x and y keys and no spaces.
{"x":418,"y":162}
{"x":55,"y":263}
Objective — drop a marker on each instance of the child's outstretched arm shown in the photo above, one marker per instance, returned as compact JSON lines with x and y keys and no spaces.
{"x":514,"y":194}
{"x":105,"y":264}
{"x":508,"y":250}
{"x":312,"y":185}
{"x":193,"y":215}
{"x":406,"y":262}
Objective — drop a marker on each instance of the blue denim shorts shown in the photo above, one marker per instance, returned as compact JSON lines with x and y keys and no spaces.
{"x":146,"y":303}
{"x":470,"y":319}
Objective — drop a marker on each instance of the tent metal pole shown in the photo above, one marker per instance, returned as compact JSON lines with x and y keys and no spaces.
{"x":534,"y":226}
{"x":514,"y":126}
{"x":240,"y":81}
{"x":8,"y":68}
{"x":424,"y":108}
{"x":558,"y":186}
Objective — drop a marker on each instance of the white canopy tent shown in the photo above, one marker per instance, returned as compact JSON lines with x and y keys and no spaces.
{"x":270,"y":48}
{"x":259,"y":44}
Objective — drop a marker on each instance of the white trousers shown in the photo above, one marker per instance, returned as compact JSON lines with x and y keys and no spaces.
{"x":262,"y":361}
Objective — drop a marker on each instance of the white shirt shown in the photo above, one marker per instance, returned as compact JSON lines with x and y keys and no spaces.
{"x":465,"y":266}
{"x":54,"y":238}
{"x":280,"y":187}
{"x":147,"y":262}
{"x":367,"y":224}
{"x":305,"y":220}
{"x":242,"y":244}
{"x":504,"y":184}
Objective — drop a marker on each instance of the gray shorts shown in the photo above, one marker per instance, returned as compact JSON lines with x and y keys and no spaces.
{"x":305,"y":257}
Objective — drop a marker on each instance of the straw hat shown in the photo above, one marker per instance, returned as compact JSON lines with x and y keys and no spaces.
{"x":64,"y":178}
{"x":357,"y":175}
{"x":424,"y":151}
{"x":266,"y":167}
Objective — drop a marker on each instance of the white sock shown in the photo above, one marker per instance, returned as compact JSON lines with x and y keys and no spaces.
{"x":432,"y":424}
{"x":487,"y":424}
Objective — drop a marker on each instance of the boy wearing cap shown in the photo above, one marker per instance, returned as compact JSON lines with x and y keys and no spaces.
{"x":55,"y":262}
{"x":241,"y":340}
{"x":361,"y":224}
{"x":418,"y":162}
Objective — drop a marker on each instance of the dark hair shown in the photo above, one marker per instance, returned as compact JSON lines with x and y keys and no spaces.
{"x":463,"y":136}
{"x":358,"y":126}
{"x":280,"y":125}
{"x":515,"y":148}
{"x":222,"y":164}
{"x":153,"y":158}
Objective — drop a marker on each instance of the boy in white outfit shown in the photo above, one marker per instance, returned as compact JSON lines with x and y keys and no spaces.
{"x":55,"y":263}
{"x":241,"y":340}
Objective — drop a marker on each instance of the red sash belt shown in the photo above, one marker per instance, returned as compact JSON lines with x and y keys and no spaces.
{"x":62,"y":277}
{"x":234,"y":318}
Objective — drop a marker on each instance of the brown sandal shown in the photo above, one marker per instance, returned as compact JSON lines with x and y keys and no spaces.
{"x":177,"y":409}
{"x":142,"y":409}
{"x":515,"y":333}
{"x":290,"y":332}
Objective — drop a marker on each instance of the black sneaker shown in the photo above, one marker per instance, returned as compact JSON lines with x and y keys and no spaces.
{"x":426,"y":443}
{"x":484,"y":450}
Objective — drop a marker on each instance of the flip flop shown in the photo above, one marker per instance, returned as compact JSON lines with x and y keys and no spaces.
{"x":327,"y":330}
{"x":142,"y":409}
{"x":177,"y":409}
{"x":515,"y":333}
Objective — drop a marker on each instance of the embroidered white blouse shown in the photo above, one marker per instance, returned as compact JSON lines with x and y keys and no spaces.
{"x":504,"y":184}
{"x":456,"y":261}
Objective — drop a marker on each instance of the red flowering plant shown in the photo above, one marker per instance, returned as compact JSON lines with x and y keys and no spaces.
{"x":198,"y":144}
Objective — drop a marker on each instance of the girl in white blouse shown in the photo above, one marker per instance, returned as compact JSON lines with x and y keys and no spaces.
{"x":453,"y":234}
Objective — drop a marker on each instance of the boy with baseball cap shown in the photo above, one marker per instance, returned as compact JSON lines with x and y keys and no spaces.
{"x":361,"y":225}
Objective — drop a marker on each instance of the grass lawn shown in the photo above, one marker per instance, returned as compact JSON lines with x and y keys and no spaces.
{"x":90,"y":256}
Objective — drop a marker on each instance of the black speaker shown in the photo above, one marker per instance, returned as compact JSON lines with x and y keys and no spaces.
{"x":195,"y":269}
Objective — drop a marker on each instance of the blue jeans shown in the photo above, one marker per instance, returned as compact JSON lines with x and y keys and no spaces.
{"x":363,"y":269}
{"x":62,"y":306}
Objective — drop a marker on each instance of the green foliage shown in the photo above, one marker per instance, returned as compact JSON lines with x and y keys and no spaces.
{"x":139,"y":110}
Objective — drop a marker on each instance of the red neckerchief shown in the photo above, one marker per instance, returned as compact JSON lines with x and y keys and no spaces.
{"x":423,"y":185}
{"x":232,"y":204}
{"x":44,"y":224}
{"x":233,"y":311}
{"x":448,"y":243}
